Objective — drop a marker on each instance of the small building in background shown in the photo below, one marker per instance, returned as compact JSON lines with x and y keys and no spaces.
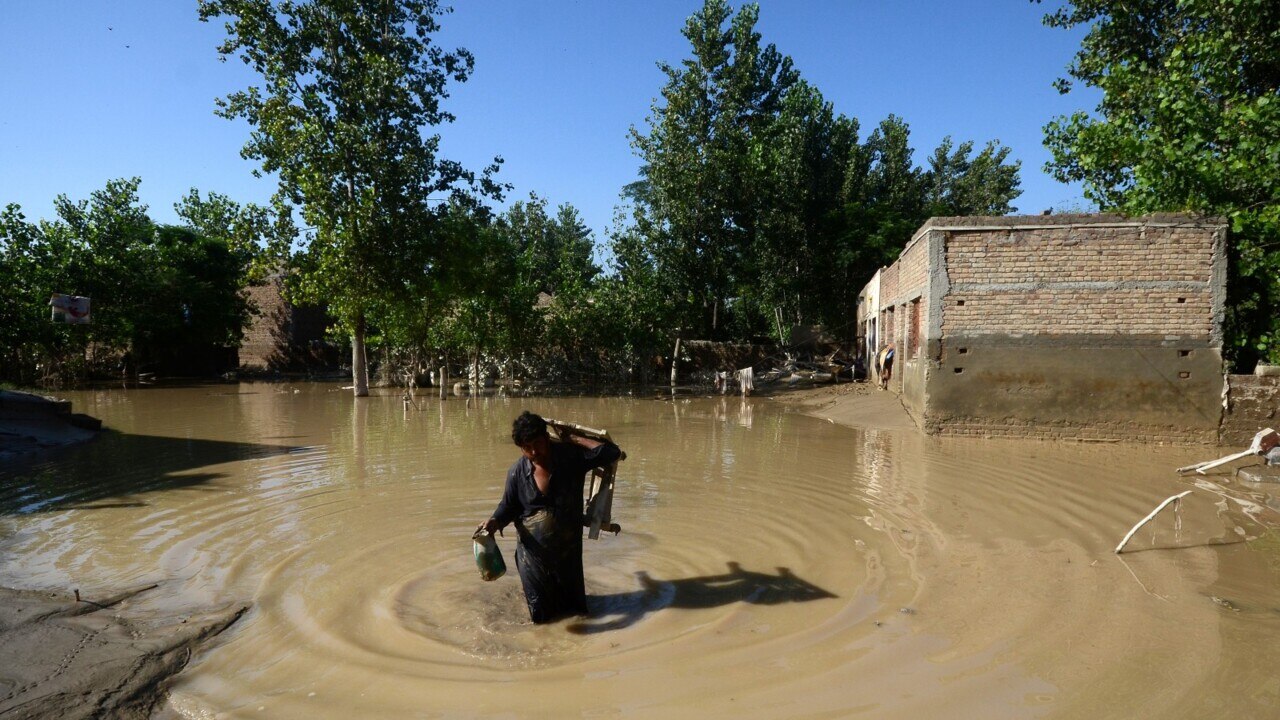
{"x":283,"y":337}
{"x":1073,"y":326}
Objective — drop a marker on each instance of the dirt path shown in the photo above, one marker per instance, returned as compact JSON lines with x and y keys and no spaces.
{"x":852,"y":404}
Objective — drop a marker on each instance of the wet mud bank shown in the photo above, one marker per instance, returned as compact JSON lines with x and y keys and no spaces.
{"x":854,"y":404}
{"x":31,"y":424}
{"x":96,"y":657}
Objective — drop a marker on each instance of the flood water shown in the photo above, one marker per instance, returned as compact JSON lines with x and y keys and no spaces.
{"x":771,"y":564}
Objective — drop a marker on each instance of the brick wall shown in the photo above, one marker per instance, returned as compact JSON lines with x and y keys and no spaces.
{"x":282,"y":337}
{"x":889,"y":285}
{"x":267,"y":332}
{"x":1151,"y":282}
{"x":1094,"y":327}
{"x":888,"y":296}
{"x":913,"y":271}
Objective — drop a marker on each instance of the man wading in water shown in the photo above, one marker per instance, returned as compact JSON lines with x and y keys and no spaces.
{"x":543,"y":496}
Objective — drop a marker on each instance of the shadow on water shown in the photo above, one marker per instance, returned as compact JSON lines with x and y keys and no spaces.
{"x":117,"y":469}
{"x":619,"y":610}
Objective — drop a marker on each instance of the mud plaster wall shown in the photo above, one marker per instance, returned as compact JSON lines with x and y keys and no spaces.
{"x":869,"y":323}
{"x":1253,"y":403}
{"x":704,"y":355}
{"x":1073,"y":326}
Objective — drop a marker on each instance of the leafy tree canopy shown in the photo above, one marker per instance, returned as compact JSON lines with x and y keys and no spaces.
{"x":348,"y":89}
{"x":756,"y":196}
{"x":261,"y":237}
{"x":556,"y":252}
{"x":1189,"y":121}
{"x":159,"y":293}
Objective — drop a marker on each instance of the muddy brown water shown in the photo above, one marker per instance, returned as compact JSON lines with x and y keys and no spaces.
{"x":771,"y":564}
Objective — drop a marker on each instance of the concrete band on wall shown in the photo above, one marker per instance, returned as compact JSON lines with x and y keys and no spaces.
{"x":1086,"y":326}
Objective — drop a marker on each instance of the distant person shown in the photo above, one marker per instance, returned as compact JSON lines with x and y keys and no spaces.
{"x":886,"y":365}
{"x":544,"y":497}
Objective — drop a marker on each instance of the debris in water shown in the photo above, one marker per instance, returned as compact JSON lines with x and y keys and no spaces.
{"x":1263,"y":442}
{"x":1224,"y":603}
{"x":1171,"y":499}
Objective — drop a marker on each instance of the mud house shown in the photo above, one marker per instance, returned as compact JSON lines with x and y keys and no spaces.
{"x":1084,"y":326}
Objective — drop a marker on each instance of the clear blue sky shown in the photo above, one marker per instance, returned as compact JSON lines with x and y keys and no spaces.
{"x":99,"y":90}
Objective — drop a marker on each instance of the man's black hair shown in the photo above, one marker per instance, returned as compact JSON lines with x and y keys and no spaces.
{"x":527,"y":428}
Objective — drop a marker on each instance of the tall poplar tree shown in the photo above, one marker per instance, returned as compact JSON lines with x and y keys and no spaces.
{"x":696,"y":159}
{"x":348,"y":90}
{"x":756,"y":197}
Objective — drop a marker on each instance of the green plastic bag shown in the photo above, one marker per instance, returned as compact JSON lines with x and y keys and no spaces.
{"x":488,"y":557}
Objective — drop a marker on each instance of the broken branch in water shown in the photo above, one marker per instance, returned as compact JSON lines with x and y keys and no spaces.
{"x":1263,"y":441}
{"x":1147,"y":519}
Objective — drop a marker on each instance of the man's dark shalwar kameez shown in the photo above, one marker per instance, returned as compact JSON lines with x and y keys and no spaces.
{"x":549,"y":527}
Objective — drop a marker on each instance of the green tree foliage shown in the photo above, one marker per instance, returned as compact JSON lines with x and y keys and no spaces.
{"x":484,"y":305}
{"x":260,"y":237}
{"x":1189,"y":121}
{"x":555,"y":252}
{"x":756,"y":195}
{"x":634,"y":299}
{"x":519,"y":287}
{"x":28,"y":266}
{"x":957,"y":184}
{"x":348,"y":88}
{"x":159,"y":293}
{"x":802,"y":159}
{"x":697,"y":156}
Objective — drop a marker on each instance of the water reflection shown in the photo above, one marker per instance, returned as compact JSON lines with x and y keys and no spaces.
{"x":121,"y":467}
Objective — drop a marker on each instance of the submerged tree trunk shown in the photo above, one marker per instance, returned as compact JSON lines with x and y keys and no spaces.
{"x":675,"y":362}
{"x":359,"y":369}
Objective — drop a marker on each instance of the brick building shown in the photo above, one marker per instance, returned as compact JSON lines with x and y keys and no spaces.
{"x":283,"y":337}
{"x":868,"y":318}
{"x":1086,"y":326}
